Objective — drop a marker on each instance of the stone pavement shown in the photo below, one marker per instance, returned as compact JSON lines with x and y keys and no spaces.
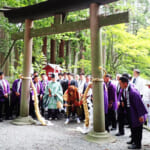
{"x":57,"y":137}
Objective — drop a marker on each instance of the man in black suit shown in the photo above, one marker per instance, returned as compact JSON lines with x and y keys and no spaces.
{"x":70,"y":81}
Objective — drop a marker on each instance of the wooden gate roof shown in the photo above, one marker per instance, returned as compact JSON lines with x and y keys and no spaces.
{"x":48,"y":8}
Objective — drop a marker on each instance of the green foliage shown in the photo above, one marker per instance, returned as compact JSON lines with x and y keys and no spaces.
{"x":126,"y":51}
{"x":84,"y":64}
{"x":78,"y":15}
{"x":38,"y":66}
{"x":17,"y":71}
{"x":126,"y":45}
{"x":40,"y":63}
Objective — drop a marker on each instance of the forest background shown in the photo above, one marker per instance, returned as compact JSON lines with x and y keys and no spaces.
{"x":124,"y":46}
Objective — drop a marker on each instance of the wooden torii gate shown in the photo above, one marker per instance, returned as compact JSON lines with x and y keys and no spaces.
{"x":95,"y":22}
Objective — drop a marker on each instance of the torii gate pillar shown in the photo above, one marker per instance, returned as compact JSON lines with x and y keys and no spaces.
{"x":24,"y":117}
{"x":98,"y":134}
{"x":25,"y":96}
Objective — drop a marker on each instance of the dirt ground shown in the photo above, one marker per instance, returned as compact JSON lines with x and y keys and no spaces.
{"x":57,"y":137}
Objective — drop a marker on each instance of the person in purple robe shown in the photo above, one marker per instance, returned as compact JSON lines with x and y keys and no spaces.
{"x":16,"y":97}
{"x":136,"y":110}
{"x":106,"y":107}
{"x":121,"y":112}
{"x":44,"y":81}
{"x":4,"y":96}
{"x":39,"y":89}
{"x":112,"y":101}
{"x":34,"y":74}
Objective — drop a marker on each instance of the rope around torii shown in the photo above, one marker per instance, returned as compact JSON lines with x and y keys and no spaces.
{"x":85,"y":106}
{"x":36,"y":103}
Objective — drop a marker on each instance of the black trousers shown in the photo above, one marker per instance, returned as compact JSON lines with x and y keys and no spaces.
{"x":73,"y":110}
{"x":121,"y":119}
{"x":31,"y":109}
{"x":15,"y":104}
{"x":52,"y":113}
{"x":41,"y":105}
{"x":112,"y":117}
{"x":137,"y":135}
{"x":106,"y":122}
{"x":6,"y":104}
{"x":121,"y":123}
{"x":129,"y":121}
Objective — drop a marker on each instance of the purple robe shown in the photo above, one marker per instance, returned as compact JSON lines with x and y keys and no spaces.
{"x":112,"y":95}
{"x":44,"y":84}
{"x":3,"y":92}
{"x":15,"y":89}
{"x":41,"y":92}
{"x":105,"y":99}
{"x":137,"y":107}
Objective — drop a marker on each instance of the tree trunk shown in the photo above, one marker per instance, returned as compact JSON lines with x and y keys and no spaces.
{"x":82,"y":50}
{"x":16,"y":56}
{"x":6,"y":68}
{"x":68,"y":56}
{"x":44,"y":47}
{"x":57,"y":20}
{"x":61,"y":49}
{"x":52,"y":53}
{"x":76,"y":57}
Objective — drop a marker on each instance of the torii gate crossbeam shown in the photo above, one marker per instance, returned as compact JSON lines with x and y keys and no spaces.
{"x":99,"y":133}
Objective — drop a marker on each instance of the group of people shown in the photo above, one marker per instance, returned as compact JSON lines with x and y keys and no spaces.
{"x":126,"y":106}
{"x":50,"y":96}
{"x":123,"y":102}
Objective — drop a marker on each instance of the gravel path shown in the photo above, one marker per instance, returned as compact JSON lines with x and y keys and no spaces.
{"x":57,"y":137}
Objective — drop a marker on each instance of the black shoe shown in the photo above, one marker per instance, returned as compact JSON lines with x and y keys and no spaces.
{"x":6,"y":118}
{"x":113,"y":129}
{"x":130,"y":142}
{"x":119,"y":134}
{"x":1,"y":120}
{"x":11,"y":118}
{"x":134,"y":147}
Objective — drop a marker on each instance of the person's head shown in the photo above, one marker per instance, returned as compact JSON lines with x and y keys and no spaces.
{"x":88,"y":78}
{"x":1,"y":75}
{"x":81,"y":76}
{"x":76,"y":77}
{"x":118,"y":76}
{"x":65,"y":75}
{"x":69,"y":76}
{"x":126,"y":75}
{"x":107,"y":78}
{"x":123,"y":81}
{"x":136,"y":72}
{"x":35,"y":73}
{"x":36,"y":78}
{"x":53,"y":77}
{"x":130,"y":77}
{"x":43,"y":76}
{"x":110,"y":77}
{"x":60,"y":76}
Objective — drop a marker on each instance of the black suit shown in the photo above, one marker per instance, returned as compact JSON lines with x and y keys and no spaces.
{"x":72,"y":82}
